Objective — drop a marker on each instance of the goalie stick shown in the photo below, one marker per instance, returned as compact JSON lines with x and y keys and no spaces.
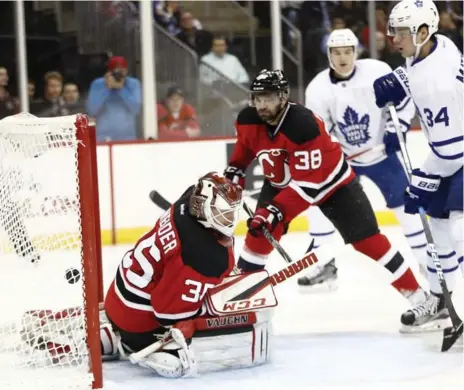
{"x":450,"y":334}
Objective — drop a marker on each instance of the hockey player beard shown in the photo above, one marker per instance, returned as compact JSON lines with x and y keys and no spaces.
{"x":269,"y":107}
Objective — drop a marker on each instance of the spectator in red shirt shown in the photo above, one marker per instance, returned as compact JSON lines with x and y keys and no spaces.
{"x":176,"y":119}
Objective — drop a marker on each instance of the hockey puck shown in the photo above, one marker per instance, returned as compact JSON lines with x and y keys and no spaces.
{"x":72,"y":275}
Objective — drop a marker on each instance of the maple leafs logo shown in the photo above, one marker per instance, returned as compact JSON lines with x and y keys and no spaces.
{"x":356,"y":131}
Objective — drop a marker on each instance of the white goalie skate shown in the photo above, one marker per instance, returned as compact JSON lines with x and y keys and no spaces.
{"x":430,"y":315}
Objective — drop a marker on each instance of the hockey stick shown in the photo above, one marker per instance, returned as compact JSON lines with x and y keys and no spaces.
{"x":375,"y":148}
{"x":272,"y":240}
{"x":450,"y":334}
{"x":159,"y":200}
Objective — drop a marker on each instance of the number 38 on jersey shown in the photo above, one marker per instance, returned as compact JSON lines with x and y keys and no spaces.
{"x":275,"y":164}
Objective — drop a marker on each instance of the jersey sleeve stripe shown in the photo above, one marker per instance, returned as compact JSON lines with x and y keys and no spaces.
{"x":404,"y":123}
{"x":403,"y":104}
{"x":443,"y":157}
{"x":312,"y":192}
{"x":130,"y":300}
{"x":124,"y":283}
{"x":448,"y":141}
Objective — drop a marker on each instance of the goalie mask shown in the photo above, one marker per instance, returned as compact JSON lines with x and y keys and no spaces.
{"x":216,"y":203}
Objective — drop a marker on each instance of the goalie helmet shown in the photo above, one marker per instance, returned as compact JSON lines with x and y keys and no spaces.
{"x":342,"y":38}
{"x":216,"y":203}
{"x":412,"y":14}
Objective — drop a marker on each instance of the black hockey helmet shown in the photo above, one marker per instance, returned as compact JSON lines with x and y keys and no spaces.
{"x":270,"y":81}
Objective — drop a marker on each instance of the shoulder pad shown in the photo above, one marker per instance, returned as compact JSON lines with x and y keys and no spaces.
{"x":249,"y":116}
{"x":200,"y":249}
{"x":300,"y":125}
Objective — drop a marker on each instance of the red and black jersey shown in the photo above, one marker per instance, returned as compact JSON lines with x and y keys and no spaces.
{"x":298,"y":155}
{"x":164,"y":278}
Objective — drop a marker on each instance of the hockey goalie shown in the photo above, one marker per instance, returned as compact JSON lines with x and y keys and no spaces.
{"x":155,"y":308}
{"x":161,"y":311}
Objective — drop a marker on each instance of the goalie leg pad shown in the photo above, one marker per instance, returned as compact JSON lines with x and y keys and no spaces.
{"x":233,"y":348}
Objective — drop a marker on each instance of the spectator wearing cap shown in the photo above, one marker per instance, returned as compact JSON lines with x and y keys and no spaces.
{"x":176,"y":119}
{"x":115,"y":101}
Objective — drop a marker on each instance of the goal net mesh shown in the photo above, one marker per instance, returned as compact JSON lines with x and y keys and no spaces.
{"x":42,"y":324}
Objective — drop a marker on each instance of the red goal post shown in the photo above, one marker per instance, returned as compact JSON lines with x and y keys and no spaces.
{"x":49,"y":223}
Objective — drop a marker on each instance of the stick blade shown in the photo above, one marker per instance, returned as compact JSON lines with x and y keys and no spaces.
{"x":450,"y":336}
{"x":159,"y":200}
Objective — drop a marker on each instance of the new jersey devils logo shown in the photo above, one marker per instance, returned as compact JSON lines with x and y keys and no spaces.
{"x":274,"y":164}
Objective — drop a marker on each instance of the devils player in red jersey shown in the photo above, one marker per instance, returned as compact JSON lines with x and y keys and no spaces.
{"x":303,"y":166}
{"x":163,"y":280}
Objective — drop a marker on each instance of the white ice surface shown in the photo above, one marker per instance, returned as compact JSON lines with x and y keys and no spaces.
{"x":346,"y":339}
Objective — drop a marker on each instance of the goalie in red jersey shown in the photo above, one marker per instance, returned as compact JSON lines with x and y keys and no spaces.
{"x":304,"y":166}
{"x":161,"y":284}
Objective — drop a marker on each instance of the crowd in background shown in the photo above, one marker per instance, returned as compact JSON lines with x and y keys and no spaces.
{"x":114,"y":99}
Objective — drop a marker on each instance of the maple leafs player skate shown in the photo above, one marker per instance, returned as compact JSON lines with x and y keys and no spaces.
{"x":343,"y":97}
{"x":433,"y":77}
{"x":161,"y":284}
{"x":303,"y":166}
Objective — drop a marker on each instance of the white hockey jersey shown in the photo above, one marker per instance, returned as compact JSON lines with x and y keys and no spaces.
{"x":350,"y":114}
{"x":436,"y":85}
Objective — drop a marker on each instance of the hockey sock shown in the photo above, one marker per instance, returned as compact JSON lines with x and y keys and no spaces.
{"x":256,"y":251}
{"x":442,"y":231}
{"x":320,"y":228}
{"x":457,"y":236}
{"x":379,"y":248}
{"x":414,"y":233}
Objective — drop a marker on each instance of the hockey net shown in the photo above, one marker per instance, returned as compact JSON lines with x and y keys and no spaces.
{"x":49,"y":229}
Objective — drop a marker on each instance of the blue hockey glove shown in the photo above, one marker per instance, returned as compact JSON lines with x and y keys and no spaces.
{"x":391,"y":88}
{"x":421,"y":191}
{"x":390,"y":139}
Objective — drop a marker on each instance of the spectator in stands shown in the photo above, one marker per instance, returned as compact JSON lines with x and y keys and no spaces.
{"x":35,"y":104}
{"x":9,"y":105}
{"x":219,"y":62}
{"x":381,"y":25}
{"x":448,"y":28}
{"x":115,"y":101}
{"x":338,"y":23}
{"x":290,"y":10}
{"x":53,"y":104}
{"x":176,"y":119}
{"x":31,"y":90}
{"x":353,"y":13}
{"x":72,"y":100}
{"x":167,"y":15}
{"x":198,"y":40}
